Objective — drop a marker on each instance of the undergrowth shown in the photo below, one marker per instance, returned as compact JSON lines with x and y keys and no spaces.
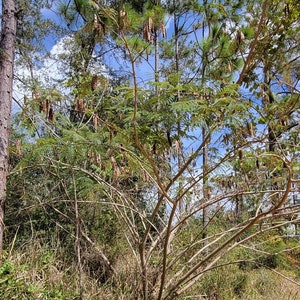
{"x":37,"y":271}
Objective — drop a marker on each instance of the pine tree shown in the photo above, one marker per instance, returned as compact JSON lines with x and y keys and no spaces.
{"x":7,"y":46}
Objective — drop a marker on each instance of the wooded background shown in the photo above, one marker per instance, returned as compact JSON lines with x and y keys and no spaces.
{"x":153,"y":152}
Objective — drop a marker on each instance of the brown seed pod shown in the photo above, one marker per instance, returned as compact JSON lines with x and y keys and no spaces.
{"x":240,"y":37}
{"x":80,"y":106}
{"x":95,"y":82}
{"x":250,"y":129}
{"x":50,"y":114}
{"x":240,"y":152}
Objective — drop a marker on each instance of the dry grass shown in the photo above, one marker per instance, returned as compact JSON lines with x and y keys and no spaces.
{"x":264,"y":284}
{"x":41,"y":269}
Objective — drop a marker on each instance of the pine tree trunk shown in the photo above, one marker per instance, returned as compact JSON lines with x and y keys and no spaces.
{"x":7,"y":47}
{"x":206,"y":194}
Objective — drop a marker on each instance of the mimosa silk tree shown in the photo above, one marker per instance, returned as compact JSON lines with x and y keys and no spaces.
{"x":7,"y":47}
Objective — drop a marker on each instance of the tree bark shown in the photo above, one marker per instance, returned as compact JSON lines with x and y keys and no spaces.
{"x":7,"y":49}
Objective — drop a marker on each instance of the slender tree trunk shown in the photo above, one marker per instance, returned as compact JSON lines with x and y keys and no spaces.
{"x":7,"y":47}
{"x":206,"y":193}
{"x":156,"y":70}
{"x":179,"y":150}
{"x":205,"y":130}
{"x":268,"y":99}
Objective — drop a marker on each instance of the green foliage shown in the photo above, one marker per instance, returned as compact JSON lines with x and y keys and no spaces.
{"x":214,"y":285}
{"x":34,"y":276}
{"x":167,"y":170}
{"x":11,"y":286}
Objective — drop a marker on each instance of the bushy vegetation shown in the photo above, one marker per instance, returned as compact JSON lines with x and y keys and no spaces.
{"x":162,"y":160}
{"x":34,"y":271}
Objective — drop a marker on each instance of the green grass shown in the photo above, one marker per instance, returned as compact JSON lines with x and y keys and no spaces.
{"x":38,"y":272}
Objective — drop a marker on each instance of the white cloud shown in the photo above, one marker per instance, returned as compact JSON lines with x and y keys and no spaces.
{"x":53,"y":72}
